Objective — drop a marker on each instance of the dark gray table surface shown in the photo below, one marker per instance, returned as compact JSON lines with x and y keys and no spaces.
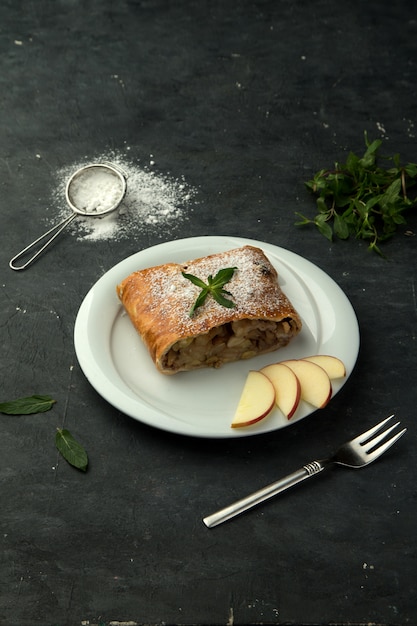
{"x":242,"y":102}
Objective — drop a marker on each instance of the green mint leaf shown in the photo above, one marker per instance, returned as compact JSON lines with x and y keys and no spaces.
{"x":369,"y":157}
{"x":27,"y":406}
{"x":393,"y":192}
{"x":340,"y":227}
{"x":398,"y":219}
{"x":325,"y":230}
{"x":195,"y":280}
{"x":352,"y":163}
{"x":303,"y":220}
{"x":201,"y":298}
{"x":322,"y":205}
{"x":219,"y":297}
{"x":214,"y":288}
{"x":222,"y":277}
{"x":411,"y":170}
{"x":71,"y":450}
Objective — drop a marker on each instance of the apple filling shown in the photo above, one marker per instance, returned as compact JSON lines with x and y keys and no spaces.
{"x":229,"y":342}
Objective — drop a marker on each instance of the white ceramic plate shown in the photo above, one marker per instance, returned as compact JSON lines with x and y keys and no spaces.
{"x":202,"y":403}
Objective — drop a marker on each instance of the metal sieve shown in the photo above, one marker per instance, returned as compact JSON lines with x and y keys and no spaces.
{"x":92,"y":191}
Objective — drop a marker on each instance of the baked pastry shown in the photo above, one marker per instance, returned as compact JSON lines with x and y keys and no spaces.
{"x":159,"y":299}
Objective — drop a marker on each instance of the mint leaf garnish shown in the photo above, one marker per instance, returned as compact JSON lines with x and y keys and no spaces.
{"x":214,"y":287}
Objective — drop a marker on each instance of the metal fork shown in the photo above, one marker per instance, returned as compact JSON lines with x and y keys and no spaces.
{"x":356,"y":453}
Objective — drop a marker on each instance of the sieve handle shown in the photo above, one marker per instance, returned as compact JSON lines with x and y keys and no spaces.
{"x":52,"y":233}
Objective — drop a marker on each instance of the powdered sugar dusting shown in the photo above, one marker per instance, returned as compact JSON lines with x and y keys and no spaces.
{"x":152,"y":201}
{"x":167,"y":295}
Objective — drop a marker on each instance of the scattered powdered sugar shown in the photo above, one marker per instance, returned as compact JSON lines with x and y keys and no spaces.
{"x":152,"y":201}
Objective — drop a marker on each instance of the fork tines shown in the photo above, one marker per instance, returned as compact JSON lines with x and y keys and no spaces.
{"x":370,"y":443}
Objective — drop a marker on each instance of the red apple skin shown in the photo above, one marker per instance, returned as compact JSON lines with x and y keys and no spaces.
{"x":271,"y":371}
{"x":255,"y":379}
{"x":294,"y":364}
{"x":326,"y":402}
{"x":297,"y":402}
{"x":254,"y":420}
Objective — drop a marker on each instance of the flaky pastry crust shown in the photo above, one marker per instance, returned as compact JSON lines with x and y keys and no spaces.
{"x":158,"y":301}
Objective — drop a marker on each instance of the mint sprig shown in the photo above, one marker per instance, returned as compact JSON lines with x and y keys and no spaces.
{"x":214,"y":287}
{"x":361,"y":198}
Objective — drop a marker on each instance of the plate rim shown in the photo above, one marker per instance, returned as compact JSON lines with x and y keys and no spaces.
{"x":95,"y":375}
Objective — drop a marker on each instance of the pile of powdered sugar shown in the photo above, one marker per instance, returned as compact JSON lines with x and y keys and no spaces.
{"x":96,"y":190}
{"x":152,"y":201}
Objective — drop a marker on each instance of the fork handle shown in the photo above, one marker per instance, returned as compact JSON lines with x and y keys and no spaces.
{"x":307,"y":471}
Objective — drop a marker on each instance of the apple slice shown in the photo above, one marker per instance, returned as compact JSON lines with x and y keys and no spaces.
{"x":256,"y":402}
{"x":334,"y":367}
{"x":316,"y":388}
{"x":287,"y":387}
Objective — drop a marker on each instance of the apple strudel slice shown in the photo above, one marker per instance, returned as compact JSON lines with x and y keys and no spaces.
{"x":184,"y":331}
